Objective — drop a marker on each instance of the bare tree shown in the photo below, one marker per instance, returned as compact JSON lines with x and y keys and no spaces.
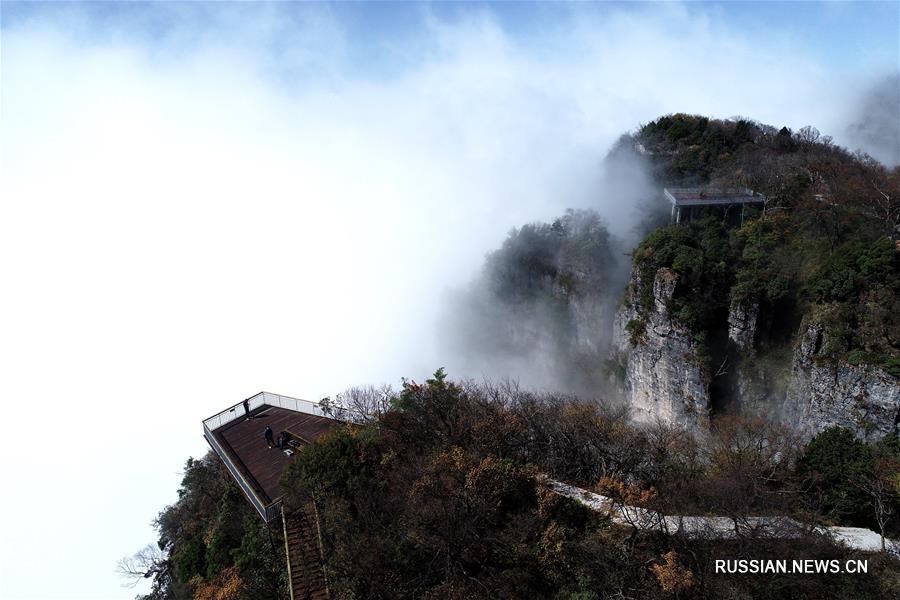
{"x":883,"y":201}
{"x":883,"y":490}
{"x":147,"y":562}
{"x":807,"y":136}
{"x":360,"y":403}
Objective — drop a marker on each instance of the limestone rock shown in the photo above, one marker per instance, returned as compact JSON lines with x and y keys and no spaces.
{"x":824,"y":392}
{"x":662,"y":378}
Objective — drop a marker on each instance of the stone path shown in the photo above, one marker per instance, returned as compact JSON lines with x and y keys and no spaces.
{"x":856,"y":538}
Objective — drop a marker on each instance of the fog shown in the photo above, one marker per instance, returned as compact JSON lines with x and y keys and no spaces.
{"x":875,"y":120}
{"x":203,"y":201}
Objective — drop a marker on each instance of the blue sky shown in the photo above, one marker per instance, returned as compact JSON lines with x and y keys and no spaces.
{"x":848,"y":35}
{"x":204,"y":201}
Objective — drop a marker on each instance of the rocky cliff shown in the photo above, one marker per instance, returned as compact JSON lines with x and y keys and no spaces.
{"x":663,"y":379}
{"x":825,"y":392}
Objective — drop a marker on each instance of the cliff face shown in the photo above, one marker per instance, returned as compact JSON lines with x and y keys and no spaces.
{"x":662,"y":378}
{"x":742,"y":325}
{"x":589,"y":317}
{"x":825,"y":392}
{"x":758,"y":388}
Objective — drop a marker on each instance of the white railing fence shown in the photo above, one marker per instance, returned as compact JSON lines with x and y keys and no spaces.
{"x":236,"y":473}
{"x":296,"y":404}
{"x":235,"y":412}
{"x":305,"y":406}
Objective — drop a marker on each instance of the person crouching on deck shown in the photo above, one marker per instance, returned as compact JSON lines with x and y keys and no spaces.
{"x":269,"y":436}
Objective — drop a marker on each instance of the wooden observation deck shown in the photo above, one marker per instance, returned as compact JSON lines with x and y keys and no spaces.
{"x":240,"y":442}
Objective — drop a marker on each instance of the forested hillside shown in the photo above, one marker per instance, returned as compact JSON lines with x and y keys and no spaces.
{"x":796,"y":313}
{"x":825,"y":247}
{"x":444,"y":496}
{"x":212,"y":544}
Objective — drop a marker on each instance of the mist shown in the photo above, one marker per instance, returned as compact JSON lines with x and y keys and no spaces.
{"x":540,"y":310}
{"x":875,"y":121}
{"x":203,"y":201}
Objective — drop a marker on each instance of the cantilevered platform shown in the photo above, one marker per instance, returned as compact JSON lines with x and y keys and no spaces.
{"x":690,"y":202}
{"x":241,"y":444}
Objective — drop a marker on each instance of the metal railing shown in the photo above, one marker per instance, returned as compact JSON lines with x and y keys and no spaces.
{"x":296,"y":404}
{"x":233,"y":412}
{"x":305,"y":406}
{"x":273,"y":509}
{"x":262,"y":509}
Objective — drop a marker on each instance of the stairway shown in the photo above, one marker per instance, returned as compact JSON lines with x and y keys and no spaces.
{"x":304,"y":558}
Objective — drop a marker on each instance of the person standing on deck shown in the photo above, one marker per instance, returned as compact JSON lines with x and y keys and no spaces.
{"x":247,"y":409}
{"x":269,"y":437}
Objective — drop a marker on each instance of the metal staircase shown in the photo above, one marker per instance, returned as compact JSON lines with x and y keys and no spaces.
{"x":304,"y":557}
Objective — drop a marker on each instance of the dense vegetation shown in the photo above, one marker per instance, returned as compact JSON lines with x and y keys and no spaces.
{"x":443,"y":497}
{"x":212,"y":544}
{"x":823,"y":249}
{"x":574,"y":253}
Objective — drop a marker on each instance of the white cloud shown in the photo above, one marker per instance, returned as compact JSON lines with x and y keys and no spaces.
{"x":193,"y":215}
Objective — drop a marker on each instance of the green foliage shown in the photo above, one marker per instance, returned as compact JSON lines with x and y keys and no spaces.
{"x":636,"y":328}
{"x":825,"y":257}
{"x":854,"y":269}
{"x":858,"y":291}
{"x":536,"y":292}
{"x":573,"y":252}
{"x":190,"y":559}
{"x":784,"y":141}
{"x":701,"y":255}
{"x":891,"y":364}
{"x":335,"y":465}
{"x":693,"y":147}
{"x":760,"y":275}
{"x":218,"y":554}
{"x":436,"y":500}
{"x":833,"y":464}
{"x":214,"y":537}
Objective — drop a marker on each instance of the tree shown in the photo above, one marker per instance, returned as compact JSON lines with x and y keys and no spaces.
{"x":883,"y":490}
{"x":832,"y":467}
{"x":359,"y":403}
{"x":210,"y":540}
{"x":148,"y":562}
{"x":672,"y":576}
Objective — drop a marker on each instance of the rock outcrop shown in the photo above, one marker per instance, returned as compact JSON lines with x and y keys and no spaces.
{"x":742,"y":317}
{"x":663,"y":379}
{"x":824,"y":392}
{"x":758,"y":389}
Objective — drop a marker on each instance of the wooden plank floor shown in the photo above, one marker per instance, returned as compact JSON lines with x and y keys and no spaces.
{"x":254,"y":458}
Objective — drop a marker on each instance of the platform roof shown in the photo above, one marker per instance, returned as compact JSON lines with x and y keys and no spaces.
{"x":712,"y":196}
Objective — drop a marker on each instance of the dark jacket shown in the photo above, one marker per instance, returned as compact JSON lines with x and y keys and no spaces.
{"x":268,"y":433}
